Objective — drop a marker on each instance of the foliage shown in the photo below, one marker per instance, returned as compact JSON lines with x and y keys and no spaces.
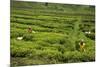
{"x":58,"y":30}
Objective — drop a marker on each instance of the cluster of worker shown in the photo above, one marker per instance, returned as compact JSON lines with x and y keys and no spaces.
{"x":81,"y":43}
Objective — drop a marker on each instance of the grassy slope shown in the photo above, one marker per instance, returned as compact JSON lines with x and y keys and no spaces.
{"x":57,"y":27}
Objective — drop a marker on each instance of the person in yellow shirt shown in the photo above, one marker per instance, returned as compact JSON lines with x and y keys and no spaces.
{"x":82,"y":45}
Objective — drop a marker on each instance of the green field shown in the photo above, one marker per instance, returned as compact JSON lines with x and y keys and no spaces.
{"x":58,"y":29}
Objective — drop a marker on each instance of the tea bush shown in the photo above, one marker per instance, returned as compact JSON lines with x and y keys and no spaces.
{"x":58,"y":30}
{"x":28,"y":37}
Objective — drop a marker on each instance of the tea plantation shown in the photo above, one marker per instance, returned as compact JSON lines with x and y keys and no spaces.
{"x":58,"y":28}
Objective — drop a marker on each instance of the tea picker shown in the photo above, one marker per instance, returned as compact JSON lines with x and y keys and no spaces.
{"x":82,"y":45}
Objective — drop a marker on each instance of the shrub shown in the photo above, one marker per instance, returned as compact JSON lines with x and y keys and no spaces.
{"x":16,"y":34}
{"x":46,"y":54}
{"x":71,"y":56}
{"x":20,"y":52}
{"x":43,"y":43}
{"x":62,"y":41}
{"x":69,"y":45}
{"x":91,"y":36}
{"x":88,"y":56}
{"x":77,"y":47}
{"x":60,"y":48}
{"x":56,"y":40}
{"x":28,"y":37}
{"x":76,"y":56}
{"x":52,"y":54}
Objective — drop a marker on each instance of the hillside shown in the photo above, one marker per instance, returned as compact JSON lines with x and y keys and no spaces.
{"x":57,"y":30}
